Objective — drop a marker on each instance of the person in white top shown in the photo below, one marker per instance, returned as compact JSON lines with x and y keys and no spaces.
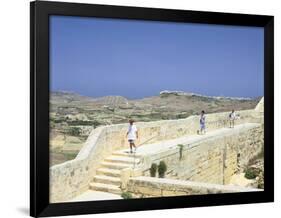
{"x":232,"y":117}
{"x":132,"y":135}
{"x":202,"y":122}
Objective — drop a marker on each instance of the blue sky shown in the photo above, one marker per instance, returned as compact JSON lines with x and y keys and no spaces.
{"x":99,"y":57}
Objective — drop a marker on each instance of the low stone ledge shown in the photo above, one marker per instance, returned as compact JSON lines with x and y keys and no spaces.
{"x":161,"y":187}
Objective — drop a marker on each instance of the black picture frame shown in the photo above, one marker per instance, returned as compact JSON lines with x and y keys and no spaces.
{"x":39,"y":107}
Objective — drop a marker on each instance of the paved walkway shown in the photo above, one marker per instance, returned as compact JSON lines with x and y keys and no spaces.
{"x":95,"y":196}
{"x":191,"y":139}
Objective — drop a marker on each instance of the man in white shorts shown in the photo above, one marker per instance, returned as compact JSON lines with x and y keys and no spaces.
{"x":132,"y":135}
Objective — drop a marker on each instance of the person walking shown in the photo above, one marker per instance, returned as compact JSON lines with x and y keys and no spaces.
{"x":132,"y":135}
{"x":232,"y":117}
{"x":203,"y":122}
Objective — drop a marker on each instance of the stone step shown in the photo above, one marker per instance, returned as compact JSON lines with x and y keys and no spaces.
{"x":109,"y":172}
{"x":118,"y":166}
{"x":127,"y":154}
{"x":122,"y":159}
{"x":107,"y":180}
{"x":105,"y":188}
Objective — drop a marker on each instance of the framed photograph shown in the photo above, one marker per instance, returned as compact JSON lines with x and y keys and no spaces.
{"x":144,"y":108}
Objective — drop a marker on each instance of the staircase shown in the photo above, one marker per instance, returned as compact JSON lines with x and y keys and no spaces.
{"x":108,"y":177}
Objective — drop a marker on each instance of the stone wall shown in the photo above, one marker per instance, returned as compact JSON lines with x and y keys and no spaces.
{"x":155,"y":187}
{"x":212,"y":160}
{"x":71,"y":178}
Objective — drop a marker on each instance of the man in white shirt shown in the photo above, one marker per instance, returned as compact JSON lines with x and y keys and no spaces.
{"x":132,"y":135}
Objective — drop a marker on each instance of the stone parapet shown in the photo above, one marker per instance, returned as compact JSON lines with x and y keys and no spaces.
{"x":156,"y":187}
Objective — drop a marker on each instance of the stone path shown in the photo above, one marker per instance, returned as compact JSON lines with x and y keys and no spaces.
{"x":191,"y":139}
{"x":240,"y":180}
{"x":95,"y":196}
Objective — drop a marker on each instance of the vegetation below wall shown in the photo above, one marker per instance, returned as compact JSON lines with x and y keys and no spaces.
{"x":255,"y":170}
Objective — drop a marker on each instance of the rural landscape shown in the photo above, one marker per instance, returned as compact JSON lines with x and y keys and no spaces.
{"x":73,"y":116}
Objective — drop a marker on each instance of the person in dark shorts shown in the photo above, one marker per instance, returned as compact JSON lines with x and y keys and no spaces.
{"x":132,"y":135}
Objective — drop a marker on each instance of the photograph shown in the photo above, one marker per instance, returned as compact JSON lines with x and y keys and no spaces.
{"x":154,"y":109}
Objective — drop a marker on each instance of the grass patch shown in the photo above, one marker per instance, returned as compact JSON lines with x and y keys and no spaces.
{"x":162,"y":168}
{"x":70,"y":156}
{"x":250,"y":174}
{"x":74,"y":131}
{"x":153,"y":170}
{"x":126,"y":195}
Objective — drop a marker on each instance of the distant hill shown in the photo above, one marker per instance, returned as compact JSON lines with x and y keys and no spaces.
{"x":166,"y":105}
{"x":181,"y":93}
{"x":59,"y":97}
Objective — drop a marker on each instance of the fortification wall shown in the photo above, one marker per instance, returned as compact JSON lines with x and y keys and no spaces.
{"x":211,"y":160}
{"x":71,"y":178}
{"x":155,"y":187}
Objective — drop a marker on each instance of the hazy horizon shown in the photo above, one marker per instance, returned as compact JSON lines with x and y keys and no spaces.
{"x":156,"y":94}
{"x":98,"y":57}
